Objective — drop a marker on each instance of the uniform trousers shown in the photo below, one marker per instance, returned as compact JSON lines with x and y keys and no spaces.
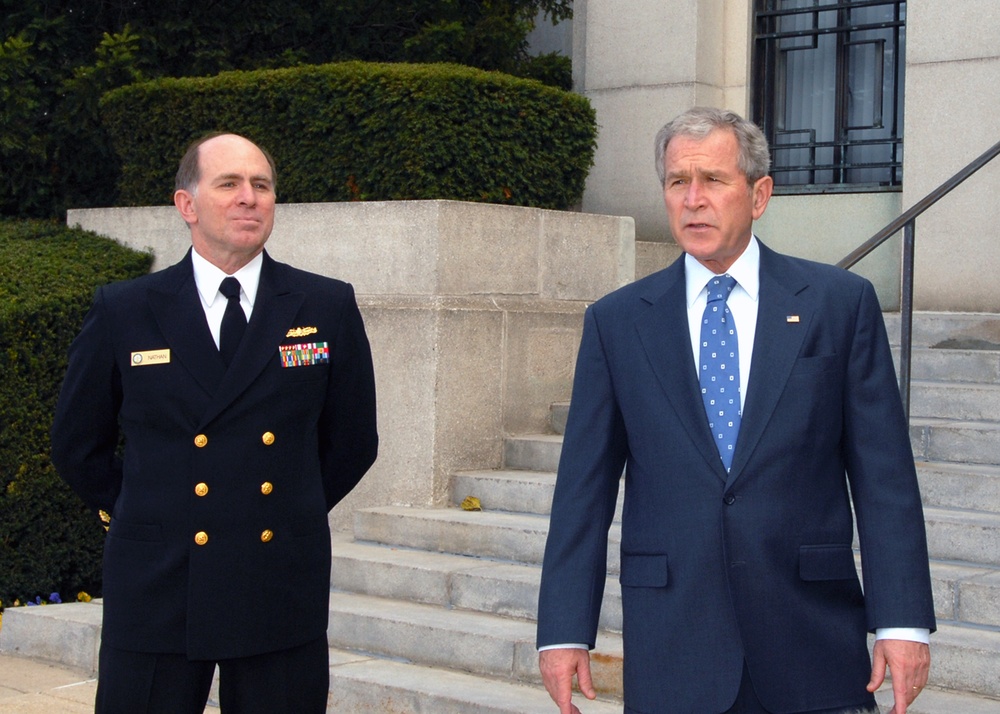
{"x":292,"y":681}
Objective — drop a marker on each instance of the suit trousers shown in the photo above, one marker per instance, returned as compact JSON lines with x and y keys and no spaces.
{"x":747,"y":702}
{"x":292,"y":681}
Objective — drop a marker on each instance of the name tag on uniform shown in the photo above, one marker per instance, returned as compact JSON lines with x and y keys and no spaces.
{"x":305,"y":354}
{"x":143,"y":359}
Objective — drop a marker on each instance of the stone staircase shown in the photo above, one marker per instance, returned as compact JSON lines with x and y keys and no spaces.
{"x":432,"y":610}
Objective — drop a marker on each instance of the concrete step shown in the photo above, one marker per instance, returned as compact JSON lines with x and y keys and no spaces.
{"x":514,"y":491}
{"x":433,"y":636}
{"x":964,"y":659}
{"x":369,"y":685}
{"x":949,"y":330}
{"x":941,"y":701}
{"x":952,"y":365}
{"x":955,"y":400}
{"x":506,"y":490}
{"x":457,"y":581}
{"x":487,"y":580}
{"x":968,"y":536}
{"x":511,"y":537}
{"x":975,"y":487}
{"x":534,"y":452}
{"x":933,"y":439}
{"x":972,"y":442}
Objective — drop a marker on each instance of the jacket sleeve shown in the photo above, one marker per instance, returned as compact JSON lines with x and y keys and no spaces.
{"x":883,"y":481}
{"x":85,"y":433}
{"x":574,"y":569}
{"x":348,"y":436}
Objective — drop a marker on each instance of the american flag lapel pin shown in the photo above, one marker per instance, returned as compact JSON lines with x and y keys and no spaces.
{"x":791,"y":318}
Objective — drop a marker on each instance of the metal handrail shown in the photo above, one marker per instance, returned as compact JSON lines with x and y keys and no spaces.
{"x":907,"y":223}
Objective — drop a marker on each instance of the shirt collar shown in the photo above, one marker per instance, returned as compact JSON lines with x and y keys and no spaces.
{"x":208,"y":277}
{"x":746,"y":270}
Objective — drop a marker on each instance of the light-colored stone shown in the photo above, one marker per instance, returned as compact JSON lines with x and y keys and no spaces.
{"x":474,"y":313}
{"x":67,"y":634}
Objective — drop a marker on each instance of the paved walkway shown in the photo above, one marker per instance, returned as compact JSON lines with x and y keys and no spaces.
{"x":30,"y":686}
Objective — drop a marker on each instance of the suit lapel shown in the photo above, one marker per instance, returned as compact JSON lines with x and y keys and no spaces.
{"x":273,"y":313}
{"x":663,"y":332}
{"x":783,"y":319}
{"x":178,"y":313}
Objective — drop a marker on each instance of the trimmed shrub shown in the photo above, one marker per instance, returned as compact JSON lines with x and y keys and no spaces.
{"x":362,"y":131}
{"x":49,"y":541}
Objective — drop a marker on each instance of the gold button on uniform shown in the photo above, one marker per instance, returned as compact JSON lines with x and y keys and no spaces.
{"x":200,"y":441}
{"x":266,"y":488}
{"x":201,"y":537}
{"x":201,"y":489}
{"x":266,"y":536}
{"x":267,"y":438}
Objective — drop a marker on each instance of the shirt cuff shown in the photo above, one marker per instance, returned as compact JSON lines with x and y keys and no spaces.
{"x":568,"y":646}
{"x":913,"y":634}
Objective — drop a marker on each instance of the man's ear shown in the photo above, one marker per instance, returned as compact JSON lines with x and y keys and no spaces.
{"x":761,"y":194}
{"x":185,"y":205}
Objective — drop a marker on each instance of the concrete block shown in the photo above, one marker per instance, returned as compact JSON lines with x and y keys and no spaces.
{"x":514,"y":491}
{"x":67,"y":634}
{"x":968,"y":442}
{"x":433,"y":636}
{"x":517,"y":537}
{"x":979,"y":600}
{"x":965,"y":402}
{"x":968,"y":486}
{"x":965,"y":659}
{"x":969,"y":536}
{"x":538,"y":452}
{"x":378,"y":686}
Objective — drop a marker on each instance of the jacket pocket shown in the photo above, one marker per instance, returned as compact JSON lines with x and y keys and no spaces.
{"x":826,"y":562}
{"x":644,"y":571}
{"x":145,"y":532}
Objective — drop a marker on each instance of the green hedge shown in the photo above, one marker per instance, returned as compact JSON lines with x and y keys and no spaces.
{"x":49,"y":542}
{"x":363,"y":131}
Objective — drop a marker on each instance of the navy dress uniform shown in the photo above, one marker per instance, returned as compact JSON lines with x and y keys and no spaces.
{"x":219,"y":544}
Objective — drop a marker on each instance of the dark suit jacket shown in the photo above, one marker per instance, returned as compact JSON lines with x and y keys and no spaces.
{"x":756,"y":564}
{"x":279,"y":447}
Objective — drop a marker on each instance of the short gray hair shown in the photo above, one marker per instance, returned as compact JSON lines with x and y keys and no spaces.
{"x":754,"y":158}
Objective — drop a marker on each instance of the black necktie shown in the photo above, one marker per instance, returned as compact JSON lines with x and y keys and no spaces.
{"x":234,"y":321}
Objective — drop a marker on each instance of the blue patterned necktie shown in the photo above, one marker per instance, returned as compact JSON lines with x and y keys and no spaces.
{"x":719,"y":371}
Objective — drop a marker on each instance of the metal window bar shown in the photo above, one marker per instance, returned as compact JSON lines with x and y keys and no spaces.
{"x":844,"y":168}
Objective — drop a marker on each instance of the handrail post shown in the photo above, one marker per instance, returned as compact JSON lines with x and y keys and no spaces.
{"x":906,"y":315}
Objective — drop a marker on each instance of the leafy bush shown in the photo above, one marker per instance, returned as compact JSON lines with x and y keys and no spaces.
{"x":362,"y":131}
{"x":49,"y":541}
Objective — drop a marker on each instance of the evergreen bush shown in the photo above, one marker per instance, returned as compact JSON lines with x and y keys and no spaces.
{"x":49,"y":541}
{"x":365,"y":131}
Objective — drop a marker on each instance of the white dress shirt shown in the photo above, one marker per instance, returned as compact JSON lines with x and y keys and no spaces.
{"x":208,"y":278}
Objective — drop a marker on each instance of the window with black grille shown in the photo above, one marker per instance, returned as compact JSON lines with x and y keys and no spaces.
{"x":828,"y":92}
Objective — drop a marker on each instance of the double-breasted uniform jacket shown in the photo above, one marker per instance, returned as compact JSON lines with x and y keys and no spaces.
{"x":219,"y":545}
{"x":753,"y":565}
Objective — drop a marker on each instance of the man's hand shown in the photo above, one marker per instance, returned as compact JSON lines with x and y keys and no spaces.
{"x":909,"y":663}
{"x":558,"y":667}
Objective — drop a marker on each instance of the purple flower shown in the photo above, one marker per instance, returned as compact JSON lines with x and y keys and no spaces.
{"x":55,"y":599}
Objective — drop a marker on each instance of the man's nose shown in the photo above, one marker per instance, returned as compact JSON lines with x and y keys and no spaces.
{"x":246,"y":195}
{"x":695,"y":195}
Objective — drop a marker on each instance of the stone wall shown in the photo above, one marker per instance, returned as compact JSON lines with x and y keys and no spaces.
{"x":474,"y":313}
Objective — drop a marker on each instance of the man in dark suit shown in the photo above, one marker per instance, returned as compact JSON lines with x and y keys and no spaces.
{"x":239,"y":437}
{"x":739,"y":589}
